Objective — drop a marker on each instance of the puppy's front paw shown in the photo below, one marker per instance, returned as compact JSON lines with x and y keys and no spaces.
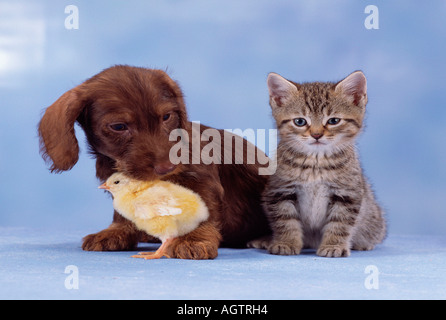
{"x":111,"y":239}
{"x":284,"y":248}
{"x":195,"y":250}
{"x":333,"y":251}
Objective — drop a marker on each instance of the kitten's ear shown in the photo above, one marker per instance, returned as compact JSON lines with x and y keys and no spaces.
{"x":354,"y":88}
{"x":279,"y":89}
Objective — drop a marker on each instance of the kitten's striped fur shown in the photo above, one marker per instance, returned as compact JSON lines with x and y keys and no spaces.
{"x":319,"y":197}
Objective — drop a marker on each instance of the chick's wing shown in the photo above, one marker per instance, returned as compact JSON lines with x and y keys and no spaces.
{"x":156,"y":201}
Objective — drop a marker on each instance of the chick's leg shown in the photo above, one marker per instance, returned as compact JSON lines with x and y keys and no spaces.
{"x":161,"y":252}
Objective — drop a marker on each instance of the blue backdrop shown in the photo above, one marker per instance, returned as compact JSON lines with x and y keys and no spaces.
{"x":221,"y":52}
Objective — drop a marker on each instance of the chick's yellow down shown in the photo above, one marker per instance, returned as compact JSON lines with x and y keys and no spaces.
{"x":162,"y":209}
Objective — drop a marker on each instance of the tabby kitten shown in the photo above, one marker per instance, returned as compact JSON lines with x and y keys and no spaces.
{"x":319,"y":197}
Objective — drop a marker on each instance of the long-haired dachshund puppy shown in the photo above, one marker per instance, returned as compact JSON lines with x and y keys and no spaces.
{"x":127,"y":114}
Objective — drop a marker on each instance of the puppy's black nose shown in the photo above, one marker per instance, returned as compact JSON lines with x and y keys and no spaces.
{"x":164,"y":168}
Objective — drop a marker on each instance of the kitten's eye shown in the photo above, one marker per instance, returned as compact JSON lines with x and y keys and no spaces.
{"x":300,"y":122}
{"x":333,"y":121}
{"x":119,"y":127}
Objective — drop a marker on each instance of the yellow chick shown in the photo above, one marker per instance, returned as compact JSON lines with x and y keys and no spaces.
{"x":162,"y":209}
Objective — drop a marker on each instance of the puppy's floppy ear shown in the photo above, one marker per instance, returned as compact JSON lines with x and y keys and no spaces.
{"x":172,"y":89}
{"x":58,"y":143}
{"x":184,"y":122}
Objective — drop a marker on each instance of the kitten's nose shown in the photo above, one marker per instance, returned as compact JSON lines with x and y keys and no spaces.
{"x":164,"y":168}
{"x":317,"y":135}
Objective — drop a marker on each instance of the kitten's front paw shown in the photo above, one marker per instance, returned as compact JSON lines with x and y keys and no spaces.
{"x":284,"y":248}
{"x":333,"y":251}
{"x":261,"y":243}
{"x":363,"y":247}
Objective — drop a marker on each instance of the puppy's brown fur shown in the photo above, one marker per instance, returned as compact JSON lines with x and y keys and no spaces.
{"x":127,"y":114}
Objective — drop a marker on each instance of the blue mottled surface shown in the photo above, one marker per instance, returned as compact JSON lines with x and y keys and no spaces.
{"x":33,"y":262}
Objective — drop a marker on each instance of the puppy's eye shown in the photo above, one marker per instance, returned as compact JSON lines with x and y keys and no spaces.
{"x":166,"y":117}
{"x":118,"y":127}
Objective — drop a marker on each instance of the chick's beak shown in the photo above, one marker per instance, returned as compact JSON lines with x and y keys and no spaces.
{"x":104,"y":186}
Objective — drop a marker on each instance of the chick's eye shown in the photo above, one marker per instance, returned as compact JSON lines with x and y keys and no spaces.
{"x":116,"y":182}
{"x":118,"y":126}
{"x":333,"y":121}
{"x":300,"y":122}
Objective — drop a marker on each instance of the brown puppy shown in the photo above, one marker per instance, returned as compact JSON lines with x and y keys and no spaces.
{"x":127,"y":114}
